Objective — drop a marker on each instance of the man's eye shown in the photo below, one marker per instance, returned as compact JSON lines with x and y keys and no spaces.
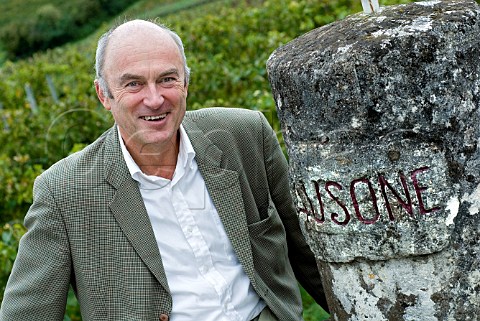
{"x":167,"y":80}
{"x":133,"y":84}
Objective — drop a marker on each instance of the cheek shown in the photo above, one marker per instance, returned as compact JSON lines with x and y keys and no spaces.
{"x":125,"y":102}
{"x":176,"y":97}
{"x":122,"y":97}
{"x":182,"y":97}
{"x":120,"y":111}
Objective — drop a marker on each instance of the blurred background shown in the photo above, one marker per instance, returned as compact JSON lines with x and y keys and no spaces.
{"x":48,"y":105}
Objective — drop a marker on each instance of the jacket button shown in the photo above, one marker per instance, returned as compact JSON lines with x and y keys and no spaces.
{"x":163,"y":317}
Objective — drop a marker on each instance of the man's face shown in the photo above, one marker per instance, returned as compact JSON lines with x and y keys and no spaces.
{"x":145,"y":74}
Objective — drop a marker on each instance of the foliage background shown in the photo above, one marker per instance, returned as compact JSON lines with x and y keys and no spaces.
{"x":33,"y":25}
{"x":227,"y":45}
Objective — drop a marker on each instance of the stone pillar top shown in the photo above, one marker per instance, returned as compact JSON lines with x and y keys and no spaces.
{"x":381,"y":118}
{"x":383,"y":69}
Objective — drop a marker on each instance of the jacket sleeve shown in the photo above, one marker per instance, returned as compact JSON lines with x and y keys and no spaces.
{"x":38,"y":285}
{"x":300,"y":256}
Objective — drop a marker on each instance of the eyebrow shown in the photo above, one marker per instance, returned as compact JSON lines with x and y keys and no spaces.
{"x":169,"y":72}
{"x":127,"y":77}
{"x":172,"y":71}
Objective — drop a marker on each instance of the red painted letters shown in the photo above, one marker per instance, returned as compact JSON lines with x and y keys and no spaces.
{"x":355,"y":202}
{"x":364,"y":187}
{"x":345,"y":210}
{"x":407,"y":206}
{"x":418,"y":191}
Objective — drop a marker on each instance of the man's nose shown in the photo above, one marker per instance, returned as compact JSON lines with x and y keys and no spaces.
{"x":153,"y":96}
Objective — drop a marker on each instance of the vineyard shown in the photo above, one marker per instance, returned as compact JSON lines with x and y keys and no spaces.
{"x":49,"y":109}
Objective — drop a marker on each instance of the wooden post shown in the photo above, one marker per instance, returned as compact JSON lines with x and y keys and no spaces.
{"x":31,"y":98}
{"x":370,"y":6}
{"x":52,"y":89}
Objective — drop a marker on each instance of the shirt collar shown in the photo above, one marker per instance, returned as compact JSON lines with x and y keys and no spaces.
{"x":186,"y":154}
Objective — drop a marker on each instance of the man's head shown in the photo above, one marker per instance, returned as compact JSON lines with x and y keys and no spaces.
{"x":103,"y":43}
{"x":142,"y":78}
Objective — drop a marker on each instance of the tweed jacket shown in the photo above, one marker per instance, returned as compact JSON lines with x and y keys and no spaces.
{"x":88,"y":227}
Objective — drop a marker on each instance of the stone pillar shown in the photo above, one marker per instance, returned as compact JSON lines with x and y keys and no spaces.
{"x":381,"y":114}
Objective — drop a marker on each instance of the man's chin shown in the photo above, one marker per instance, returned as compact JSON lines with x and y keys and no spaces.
{"x":156,"y":146}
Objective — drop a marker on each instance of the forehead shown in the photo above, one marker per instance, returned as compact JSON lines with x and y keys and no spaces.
{"x":140,"y":43}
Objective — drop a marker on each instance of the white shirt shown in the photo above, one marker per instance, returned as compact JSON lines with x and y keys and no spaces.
{"x":206,"y":280}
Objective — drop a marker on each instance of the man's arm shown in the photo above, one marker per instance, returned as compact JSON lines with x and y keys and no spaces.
{"x":300,"y":255}
{"x":38,"y":286}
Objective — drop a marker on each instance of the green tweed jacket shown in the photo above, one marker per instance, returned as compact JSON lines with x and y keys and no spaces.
{"x":89,"y":228}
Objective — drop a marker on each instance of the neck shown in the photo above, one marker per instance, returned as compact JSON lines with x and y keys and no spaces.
{"x":157,"y":160}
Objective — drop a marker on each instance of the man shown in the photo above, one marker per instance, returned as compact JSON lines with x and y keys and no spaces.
{"x":168,"y":215}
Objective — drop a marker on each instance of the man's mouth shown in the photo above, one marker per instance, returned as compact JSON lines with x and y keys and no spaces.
{"x":153,"y":118}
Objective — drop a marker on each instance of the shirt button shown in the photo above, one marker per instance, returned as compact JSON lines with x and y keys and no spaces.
{"x":163,"y":317}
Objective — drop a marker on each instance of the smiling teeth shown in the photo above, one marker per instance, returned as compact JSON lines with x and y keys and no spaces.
{"x":154,"y":117}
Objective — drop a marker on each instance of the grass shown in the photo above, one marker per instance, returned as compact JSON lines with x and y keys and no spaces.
{"x":311,"y":310}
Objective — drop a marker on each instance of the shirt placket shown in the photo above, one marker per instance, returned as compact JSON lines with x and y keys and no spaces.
{"x":202,"y":254}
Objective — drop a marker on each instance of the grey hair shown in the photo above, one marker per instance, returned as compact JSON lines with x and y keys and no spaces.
{"x":101,"y":50}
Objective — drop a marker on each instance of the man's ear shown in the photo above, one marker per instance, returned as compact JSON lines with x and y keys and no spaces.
{"x":105,"y":100}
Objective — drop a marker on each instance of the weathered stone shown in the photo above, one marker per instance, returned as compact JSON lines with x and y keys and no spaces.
{"x":381,"y":117}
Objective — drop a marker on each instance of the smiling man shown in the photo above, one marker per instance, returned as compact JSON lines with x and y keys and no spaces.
{"x":147,"y":88}
{"x":169,"y":215}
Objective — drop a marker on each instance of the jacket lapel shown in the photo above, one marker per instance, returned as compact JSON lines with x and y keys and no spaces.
{"x":129,"y":210}
{"x":224,"y":188}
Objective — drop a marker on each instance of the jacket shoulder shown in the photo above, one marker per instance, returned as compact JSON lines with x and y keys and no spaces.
{"x":82,"y":161}
{"x":231,"y":119}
